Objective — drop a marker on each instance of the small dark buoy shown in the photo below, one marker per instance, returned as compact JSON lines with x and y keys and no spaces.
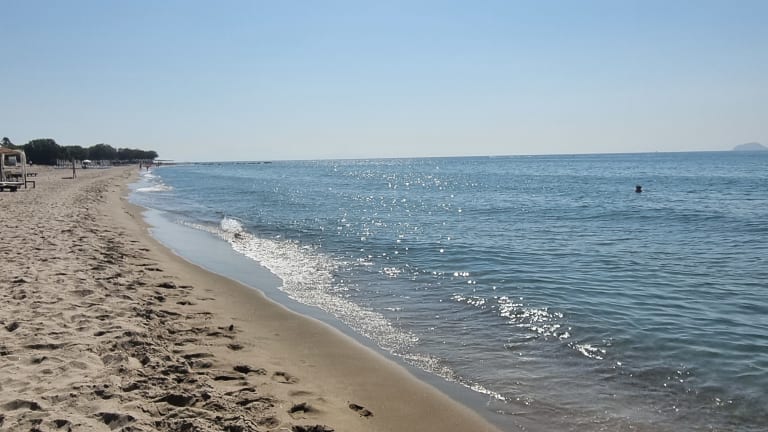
{"x":638,"y":188}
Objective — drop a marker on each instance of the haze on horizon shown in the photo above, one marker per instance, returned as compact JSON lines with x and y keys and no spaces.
{"x":254,"y":80}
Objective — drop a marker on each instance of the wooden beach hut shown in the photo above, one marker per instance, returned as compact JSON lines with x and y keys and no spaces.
{"x":13,"y":169}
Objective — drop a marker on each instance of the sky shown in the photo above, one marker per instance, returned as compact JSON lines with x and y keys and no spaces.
{"x":275,"y":80}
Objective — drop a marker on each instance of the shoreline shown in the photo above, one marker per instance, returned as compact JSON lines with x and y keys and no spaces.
{"x":135,"y":335}
{"x":209,"y":251}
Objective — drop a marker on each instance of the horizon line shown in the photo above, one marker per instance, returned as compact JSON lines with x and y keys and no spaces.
{"x":454,"y":156}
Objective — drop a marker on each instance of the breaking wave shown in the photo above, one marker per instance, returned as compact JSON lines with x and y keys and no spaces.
{"x":308,"y":277}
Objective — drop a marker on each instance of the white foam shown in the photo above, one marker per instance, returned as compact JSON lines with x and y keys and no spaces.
{"x":308,"y":277}
{"x":231,"y":225}
{"x":155,"y":188}
{"x":590,"y":351}
{"x":152,"y":183}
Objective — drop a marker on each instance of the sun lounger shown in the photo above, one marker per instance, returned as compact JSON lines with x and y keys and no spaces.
{"x":10,"y":185}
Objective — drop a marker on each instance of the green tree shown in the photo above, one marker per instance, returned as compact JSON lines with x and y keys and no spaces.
{"x":102,"y":152}
{"x":126,"y":154}
{"x":43,"y":151}
{"x":76,"y":152}
{"x":7,"y":143}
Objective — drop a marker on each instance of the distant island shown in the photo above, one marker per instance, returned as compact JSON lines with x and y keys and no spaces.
{"x":753,"y":146}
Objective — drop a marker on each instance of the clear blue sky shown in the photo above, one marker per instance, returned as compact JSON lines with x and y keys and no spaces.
{"x":346,"y":79}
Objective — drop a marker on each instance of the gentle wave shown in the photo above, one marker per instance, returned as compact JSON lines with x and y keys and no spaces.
{"x":150,"y":182}
{"x":155,"y":188}
{"x":308,"y":277}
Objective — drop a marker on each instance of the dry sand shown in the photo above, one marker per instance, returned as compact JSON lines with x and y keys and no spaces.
{"x":102,"y":328}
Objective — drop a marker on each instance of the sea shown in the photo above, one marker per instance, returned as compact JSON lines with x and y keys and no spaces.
{"x":542,"y":291}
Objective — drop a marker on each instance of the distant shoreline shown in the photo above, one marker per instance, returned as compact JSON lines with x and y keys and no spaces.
{"x":753,"y":146}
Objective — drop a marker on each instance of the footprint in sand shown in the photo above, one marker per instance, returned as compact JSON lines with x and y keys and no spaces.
{"x":299,"y":410}
{"x":269,"y":422}
{"x":62,"y":424}
{"x":245,"y":369}
{"x":196,"y":356}
{"x":311,"y":428}
{"x":22,"y":404}
{"x":226,"y":376}
{"x":302,"y":408}
{"x":114,"y":420}
{"x":284,"y":378}
{"x":360,"y":410}
{"x":44,"y":346}
{"x":253,"y":400}
{"x":178,"y":399}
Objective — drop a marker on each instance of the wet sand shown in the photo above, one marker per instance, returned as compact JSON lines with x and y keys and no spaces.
{"x":105,"y":329}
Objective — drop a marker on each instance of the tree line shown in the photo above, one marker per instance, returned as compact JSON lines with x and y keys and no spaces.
{"x":45,"y":151}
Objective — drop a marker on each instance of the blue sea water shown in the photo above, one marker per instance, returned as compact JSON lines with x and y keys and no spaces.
{"x":544,"y":283}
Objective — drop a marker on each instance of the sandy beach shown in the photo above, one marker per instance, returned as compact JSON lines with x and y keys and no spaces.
{"x":105,"y":329}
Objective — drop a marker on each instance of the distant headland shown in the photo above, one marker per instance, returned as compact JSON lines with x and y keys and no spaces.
{"x":753,"y":146}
